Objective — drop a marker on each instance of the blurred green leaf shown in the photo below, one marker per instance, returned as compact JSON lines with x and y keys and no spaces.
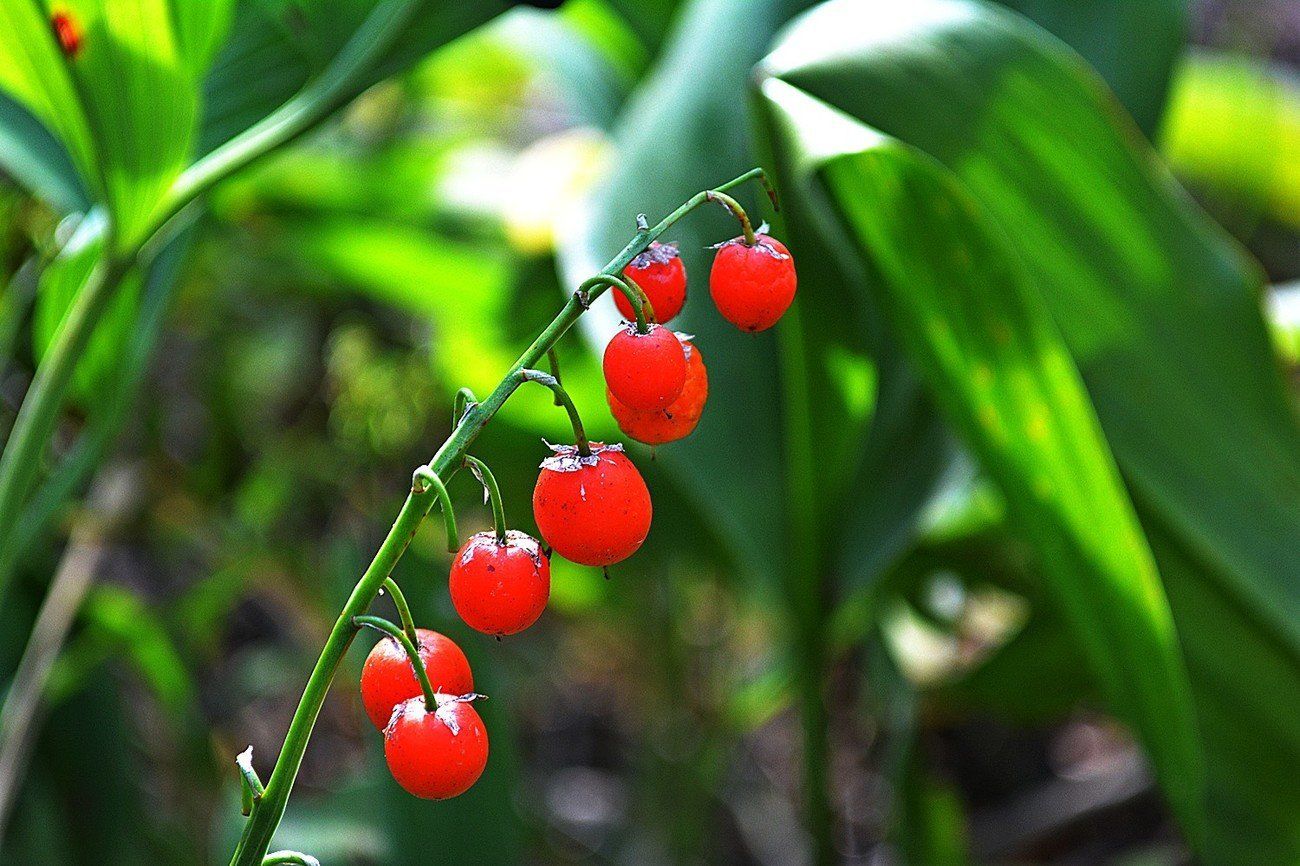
{"x":1159,"y":311}
{"x":124,"y":101}
{"x":37,"y":160}
{"x":1135,"y":46}
{"x":1233,"y":131}
{"x":276,"y":46}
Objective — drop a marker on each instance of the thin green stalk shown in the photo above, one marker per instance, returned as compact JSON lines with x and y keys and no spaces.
{"x":403,"y":610}
{"x":746,"y":228}
{"x":494,"y":495}
{"x":378,"y":623}
{"x":631,"y":290}
{"x":562,"y":397}
{"x":426,"y":479}
{"x":553,"y":358}
{"x":258,"y":830}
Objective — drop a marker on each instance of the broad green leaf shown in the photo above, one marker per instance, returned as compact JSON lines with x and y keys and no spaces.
{"x":122,"y":93}
{"x":1160,"y":313}
{"x":1134,"y":46}
{"x":36,"y":160}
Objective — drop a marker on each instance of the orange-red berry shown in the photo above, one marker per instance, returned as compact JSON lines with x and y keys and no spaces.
{"x":387,"y":678}
{"x":752,"y":286}
{"x":592,"y":510}
{"x":674,"y":421}
{"x":500,"y":587}
{"x":662,"y":276}
{"x":645,"y":371}
{"x":436,"y":755}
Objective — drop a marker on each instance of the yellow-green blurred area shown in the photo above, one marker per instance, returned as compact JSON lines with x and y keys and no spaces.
{"x":989,"y":552}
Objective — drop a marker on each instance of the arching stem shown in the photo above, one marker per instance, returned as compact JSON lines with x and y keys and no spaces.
{"x":464,"y":402}
{"x":403,"y":609}
{"x":489,"y":481}
{"x":633,"y":292}
{"x":378,"y":623}
{"x":579,"y":434}
{"x":422,"y":480}
{"x":737,"y":211}
{"x":553,"y":358}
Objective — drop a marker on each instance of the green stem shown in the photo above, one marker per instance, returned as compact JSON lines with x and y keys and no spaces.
{"x":25,"y":447}
{"x":553,"y":358}
{"x":341,"y":82}
{"x":464,"y":400}
{"x":258,"y":830}
{"x":635,"y":295}
{"x":429,"y":479}
{"x":403,"y":610}
{"x":494,"y":494}
{"x":378,"y":623}
{"x":738,"y":212}
{"x":562,"y":396}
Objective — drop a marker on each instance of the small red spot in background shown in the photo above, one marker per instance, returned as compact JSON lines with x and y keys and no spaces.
{"x":67,"y":32}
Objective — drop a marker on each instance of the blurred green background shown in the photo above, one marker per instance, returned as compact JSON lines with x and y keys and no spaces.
{"x":988,"y":553}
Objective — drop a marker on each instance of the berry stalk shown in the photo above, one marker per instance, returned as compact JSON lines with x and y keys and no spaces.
{"x":268,"y":811}
{"x":484,"y":474}
{"x":403,"y":610}
{"x":378,"y":623}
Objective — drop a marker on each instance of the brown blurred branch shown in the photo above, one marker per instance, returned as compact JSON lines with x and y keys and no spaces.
{"x":110,"y":501}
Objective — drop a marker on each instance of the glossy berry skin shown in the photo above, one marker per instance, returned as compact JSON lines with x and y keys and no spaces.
{"x":592,"y":510}
{"x":499,"y":588}
{"x":387,"y":678}
{"x":752,"y":286}
{"x":437,"y":755}
{"x":645,"y":371}
{"x":662,"y":276}
{"x":675,"y":421}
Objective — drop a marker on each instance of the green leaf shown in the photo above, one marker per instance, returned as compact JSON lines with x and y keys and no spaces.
{"x":123,"y":99}
{"x":1108,"y":34}
{"x":36,"y":159}
{"x":1157,"y":308}
{"x":275,"y":47}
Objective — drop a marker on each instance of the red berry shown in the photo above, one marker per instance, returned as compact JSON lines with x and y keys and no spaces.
{"x":387,"y":679}
{"x":436,"y":755}
{"x":500,"y":588}
{"x":752,"y":286}
{"x":592,"y":510}
{"x":645,"y":371}
{"x":662,"y":276}
{"x":675,"y":421}
{"x":67,"y":33}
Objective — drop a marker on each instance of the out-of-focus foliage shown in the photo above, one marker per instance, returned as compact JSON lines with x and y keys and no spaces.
{"x":894,"y":577}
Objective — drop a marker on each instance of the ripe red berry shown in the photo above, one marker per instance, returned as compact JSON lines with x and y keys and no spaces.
{"x":592,"y":510}
{"x":436,"y":755}
{"x":387,"y":679}
{"x":678,"y":419}
{"x":67,"y":33}
{"x":645,"y":371}
{"x":662,"y":276}
{"x":500,"y":588}
{"x":752,"y":286}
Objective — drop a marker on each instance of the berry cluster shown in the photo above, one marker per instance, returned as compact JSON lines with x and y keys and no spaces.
{"x":590,"y":503}
{"x":656,"y":381}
